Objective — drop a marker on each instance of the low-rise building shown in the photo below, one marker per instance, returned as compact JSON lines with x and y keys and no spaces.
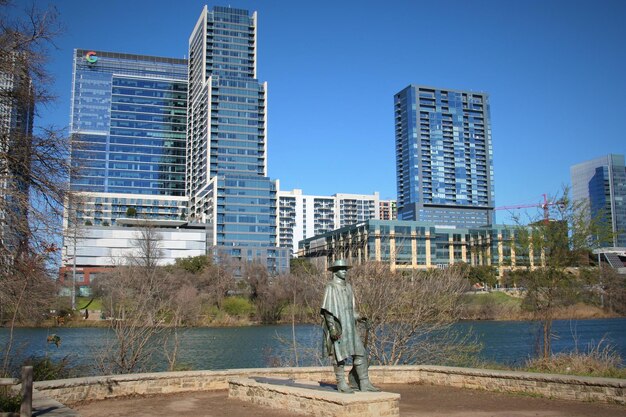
{"x":302,"y":216}
{"x":409,"y":245}
{"x":96,"y":249}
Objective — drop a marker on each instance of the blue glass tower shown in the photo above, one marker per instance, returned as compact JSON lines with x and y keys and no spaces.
{"x":227,"y":181}
{"x":17,"y":111}
{"x":444,"y":157}
{"x":128,"y":122}
{"x":601,"y":183}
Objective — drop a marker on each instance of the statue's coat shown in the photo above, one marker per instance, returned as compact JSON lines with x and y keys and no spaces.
{"x":339,"y":302}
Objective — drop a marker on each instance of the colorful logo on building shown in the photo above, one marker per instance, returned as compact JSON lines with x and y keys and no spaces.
{"x":91,"y":57}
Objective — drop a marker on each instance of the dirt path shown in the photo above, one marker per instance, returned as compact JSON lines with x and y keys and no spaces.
{"x":417,"y":401}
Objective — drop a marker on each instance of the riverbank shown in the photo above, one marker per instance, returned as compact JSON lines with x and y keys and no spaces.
{"x":478,"y":306}
{"x":502,"y":306}
{"x":483,"y":308}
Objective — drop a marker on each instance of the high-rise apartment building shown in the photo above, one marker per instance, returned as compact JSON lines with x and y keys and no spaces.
{"x":444,"y":158}
{"x":303,"y":216}
{"x":601,"y":183}
{"x":17,"y":110}
{"x":227,"y":181}
{"x":128,"y":122}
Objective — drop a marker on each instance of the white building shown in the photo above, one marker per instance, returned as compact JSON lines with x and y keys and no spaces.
{"x":102,"y":246}
{"x":301,"y":216}
{"x":96,"y":249}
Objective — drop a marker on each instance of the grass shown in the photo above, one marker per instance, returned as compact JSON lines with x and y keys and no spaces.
{"x":9,"y":401}
{"x":492,"y":306}
{"x":496,"y":297}
{"x":499,"y":305}
{"x":600,"y":360}
{"x":82,"y":302}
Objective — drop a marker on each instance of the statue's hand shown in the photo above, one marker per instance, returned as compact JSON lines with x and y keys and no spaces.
{"x":335,"y":334}
{"x":365,"y":322}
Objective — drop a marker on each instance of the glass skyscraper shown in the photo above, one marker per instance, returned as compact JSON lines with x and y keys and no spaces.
{"x":227,"y":181}
{"x":601,"y":183}
{"x":444,"y":157}
{"x":17,"y":110}
{"x":128,"y":123}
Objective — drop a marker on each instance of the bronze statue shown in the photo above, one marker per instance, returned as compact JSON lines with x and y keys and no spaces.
{"x":341,"y":335}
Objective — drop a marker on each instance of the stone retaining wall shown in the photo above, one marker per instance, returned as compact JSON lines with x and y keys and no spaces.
{"x":609,"y":390}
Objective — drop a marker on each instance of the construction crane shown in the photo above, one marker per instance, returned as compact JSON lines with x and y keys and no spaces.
{"x":545,"y":205}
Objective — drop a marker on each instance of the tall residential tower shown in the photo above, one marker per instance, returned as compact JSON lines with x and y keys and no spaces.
{"x":444,"y":158}
{"x":17,"y":111}
{"x":227,"y":183}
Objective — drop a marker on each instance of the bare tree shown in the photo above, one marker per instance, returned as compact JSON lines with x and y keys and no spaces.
{"x":410,"y":316}
{"x":305,"y":284}
{"x":25,"y":298}
{"x":557,"y":245}
{"x":185,"y":309}
{"x":34,"y":167}
{"x":215,"y":281}
{"x":148,"y":249}
{"x":269,"y":294}
{"x":146,"y":306}
{"x":135,"y":302}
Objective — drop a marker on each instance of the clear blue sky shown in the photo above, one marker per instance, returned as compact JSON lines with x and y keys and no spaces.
{"x":555,"y":72}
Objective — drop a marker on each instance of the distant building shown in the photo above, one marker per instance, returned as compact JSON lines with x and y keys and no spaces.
{"x":410,"y":245}
{"x":388,"y":210}
{"x":99,"y":248}
{"x":227,"y":181}
{"x":444,"y":158}
{"x":302,"y":216}
{"x":17,"y":109}
{"x":128,"y":120}
{"x":174,"y":140}
{"x":601,"y":183}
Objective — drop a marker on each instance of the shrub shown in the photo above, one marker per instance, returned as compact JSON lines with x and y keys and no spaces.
{"x":600,"y":360}
{"x":9,"y":402}
{"x":238,"y":306}
{"x":46,"y":368}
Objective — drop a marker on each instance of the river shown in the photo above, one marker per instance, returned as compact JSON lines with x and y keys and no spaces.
{"x":506,"y":342}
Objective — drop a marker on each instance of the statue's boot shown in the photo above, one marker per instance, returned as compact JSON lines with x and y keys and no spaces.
{"x":341,"y":380}
{"x":364,"y":381}
{"x":353,"y":378}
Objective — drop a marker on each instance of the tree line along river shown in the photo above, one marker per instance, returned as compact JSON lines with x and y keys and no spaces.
{"x":505,"y":342}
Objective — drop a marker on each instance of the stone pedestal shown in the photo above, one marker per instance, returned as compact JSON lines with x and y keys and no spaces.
{"x":312,"y":398}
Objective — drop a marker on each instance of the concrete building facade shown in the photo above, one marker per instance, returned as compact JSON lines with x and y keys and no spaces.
{"x":410,"y":245}
{"x":388,"y":210}
{"x":302,"y":216}
{"x":99,"y":248}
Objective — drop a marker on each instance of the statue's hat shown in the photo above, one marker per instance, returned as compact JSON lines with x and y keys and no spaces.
{"x":339,"y":264}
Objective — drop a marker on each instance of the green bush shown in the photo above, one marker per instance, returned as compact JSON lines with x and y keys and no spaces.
{"x":9,"y":402}
{"x":237,"y":306}
{"x":47,"y":369}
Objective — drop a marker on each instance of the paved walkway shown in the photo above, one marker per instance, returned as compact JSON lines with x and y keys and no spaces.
{"x":417,"y":401}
